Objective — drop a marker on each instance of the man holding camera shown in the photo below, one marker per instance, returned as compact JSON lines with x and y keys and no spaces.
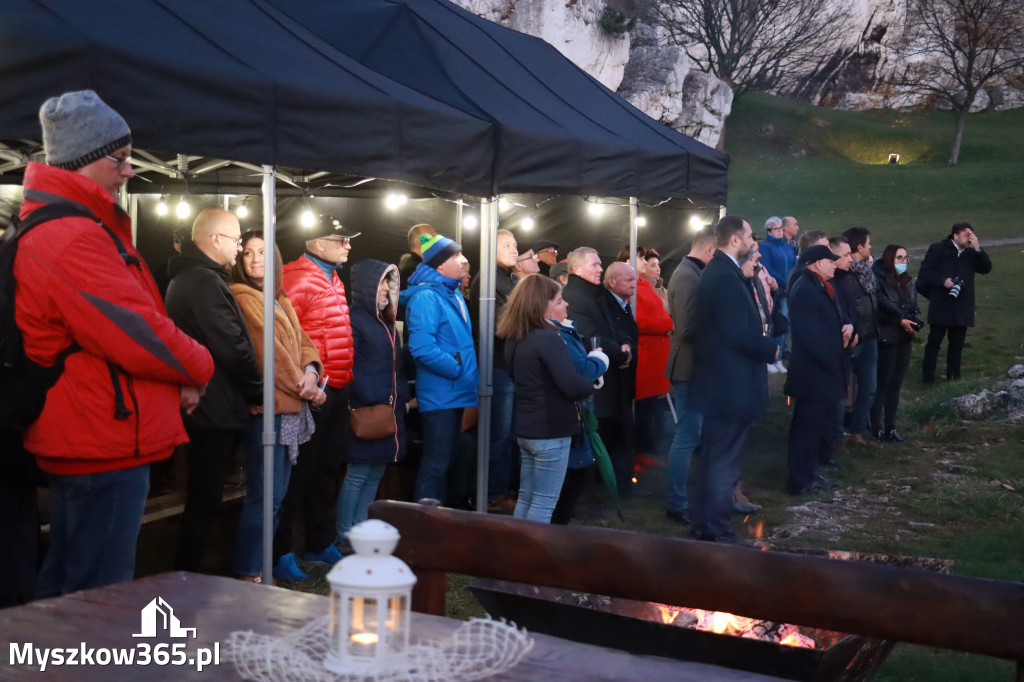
{"x":947,"y":280}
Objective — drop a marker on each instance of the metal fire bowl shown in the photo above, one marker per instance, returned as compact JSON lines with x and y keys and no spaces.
{"x":637,"y":627}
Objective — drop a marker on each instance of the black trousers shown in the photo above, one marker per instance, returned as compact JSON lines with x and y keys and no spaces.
{"x":716,"y":468}
{"x":954,"y":351}
{"x":19,"y":522}
{"x":617,"y":435}
{"x":893,"y":363}
{"x":810,"y":441}
{"x":209,"y":455}
{"x":315,"y":481}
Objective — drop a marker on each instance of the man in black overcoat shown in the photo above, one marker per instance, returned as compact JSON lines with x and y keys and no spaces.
{"x":958,"y":257}
{"x":815,"y":380}
{"x":729,"y":385}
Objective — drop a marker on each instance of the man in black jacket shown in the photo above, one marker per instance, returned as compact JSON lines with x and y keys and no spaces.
{"x":614,"y":400}
{"x":729,"y":385}
{"x":815,"y":380}
{"x":584,"y":295}
{"x":503,"y":455}
{"x":202,"y":305}
{"x":955,"y":259}
{"x":858,"y":288}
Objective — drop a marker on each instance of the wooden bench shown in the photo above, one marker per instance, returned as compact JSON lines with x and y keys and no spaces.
{"x":973,"y":615}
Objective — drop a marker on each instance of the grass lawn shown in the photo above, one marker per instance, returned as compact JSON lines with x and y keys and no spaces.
{"x":829,"y":169}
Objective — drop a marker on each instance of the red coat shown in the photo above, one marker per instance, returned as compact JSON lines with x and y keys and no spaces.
{"x":655,"y":326}
{"x":323,"y":313}
{"x":73,"y":286}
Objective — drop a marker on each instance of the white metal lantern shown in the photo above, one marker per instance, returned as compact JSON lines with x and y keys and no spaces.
{"x":370,"y":601}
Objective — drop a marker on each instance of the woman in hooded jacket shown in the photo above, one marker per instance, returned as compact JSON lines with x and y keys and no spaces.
{"x":378,"y":380}
{"x":297,"y":371}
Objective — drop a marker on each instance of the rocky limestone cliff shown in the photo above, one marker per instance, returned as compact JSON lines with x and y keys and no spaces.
{"x":660,"y":80}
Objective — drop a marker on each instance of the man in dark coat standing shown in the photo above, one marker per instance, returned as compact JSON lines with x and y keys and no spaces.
{"x":584,"y":295}
{"x":815,"y":380}
{"x":957,"y":258}
{"x":201,"y":304}
{"x":614,"y":401}
{"x":729,"y":385}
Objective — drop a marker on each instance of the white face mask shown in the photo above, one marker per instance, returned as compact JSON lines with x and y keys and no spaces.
{"x":900,"y":268}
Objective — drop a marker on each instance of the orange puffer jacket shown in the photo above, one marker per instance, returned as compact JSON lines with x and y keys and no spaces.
{"x":73,"y":286}
{"x":323,"y":313}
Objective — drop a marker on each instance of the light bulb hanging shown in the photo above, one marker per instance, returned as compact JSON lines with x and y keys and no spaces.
{"x":183,"y":209}
{"x":161,"y":207}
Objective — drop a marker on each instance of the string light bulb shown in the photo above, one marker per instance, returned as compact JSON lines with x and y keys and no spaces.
{"x":469,"y":221}
{"x":595,"y":209}
{"x":307,"y":219}
{"x":161,"y":207}
{"x":393,"y":201}
{"x":183,"y":209}
{"x":641,"y":221}
{"x":242,"y":211}
{"x":527,"y":224}
{"x":696,"y":224}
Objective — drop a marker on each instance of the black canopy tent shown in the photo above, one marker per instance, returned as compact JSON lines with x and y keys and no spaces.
{"x":451,"y":102}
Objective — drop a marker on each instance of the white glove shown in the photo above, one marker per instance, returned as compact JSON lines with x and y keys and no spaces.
{"x":599,"y":383}
{"x":602,"y":356}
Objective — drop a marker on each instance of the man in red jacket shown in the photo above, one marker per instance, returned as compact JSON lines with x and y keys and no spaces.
{"x":115,"y":407}
{"x":313,"y":284}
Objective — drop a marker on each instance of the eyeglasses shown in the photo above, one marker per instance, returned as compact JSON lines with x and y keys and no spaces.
{"x":236,"y":240}
{"x":526,"y":257}
{"x":120,"y":163}
{"x":344,"y":241}
{"x":554,"y":251}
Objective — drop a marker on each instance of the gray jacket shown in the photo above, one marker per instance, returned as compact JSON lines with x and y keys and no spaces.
{"x":680,"y":303}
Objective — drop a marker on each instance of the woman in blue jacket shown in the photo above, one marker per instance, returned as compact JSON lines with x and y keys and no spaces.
{"x":548,"y":388}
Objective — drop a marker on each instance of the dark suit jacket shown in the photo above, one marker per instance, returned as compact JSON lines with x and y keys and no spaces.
{"x":941,"y":262}
{"x":816,"y":358}
{"x":615,"y":398}
{"x":729,"y":377}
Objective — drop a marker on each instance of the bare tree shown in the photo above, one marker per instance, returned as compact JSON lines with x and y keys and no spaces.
{"x":754,"y":44}
{"x":956,"y":47}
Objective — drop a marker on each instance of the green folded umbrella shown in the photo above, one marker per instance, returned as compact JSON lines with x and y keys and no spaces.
{"x":604,"y":462}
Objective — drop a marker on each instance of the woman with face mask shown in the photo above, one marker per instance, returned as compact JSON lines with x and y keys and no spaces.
{"x":899,"y":319}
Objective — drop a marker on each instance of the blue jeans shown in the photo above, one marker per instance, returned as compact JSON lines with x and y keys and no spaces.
{"x":865,"y":368}
{"x":544,"y":461}
{"x":94,"y":527}
{"x":248,"y":559}
{"x":440,"y":435}
{"x":357,"y":493}
{"x":686,"y":439}
{"x":502,"y":455}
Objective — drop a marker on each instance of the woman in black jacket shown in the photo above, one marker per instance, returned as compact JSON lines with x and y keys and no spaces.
{"x":899,"y":319}
{"x":548,"y":387}
{"x":376,"y":381}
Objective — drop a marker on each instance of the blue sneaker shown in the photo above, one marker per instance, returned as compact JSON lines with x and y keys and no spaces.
{"x":328,"y":555}
{"x":287,"y":568}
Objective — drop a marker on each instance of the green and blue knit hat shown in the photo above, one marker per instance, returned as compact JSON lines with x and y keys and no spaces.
{"x":436,"y":249}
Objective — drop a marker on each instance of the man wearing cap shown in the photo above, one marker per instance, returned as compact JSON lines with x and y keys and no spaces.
{"x":314,"y":287}
{"x":547,"y":254}
{"x":815,"y":380}
{"x":82,"y":289}
{"x":441,"y":344}
{"x":560,"y":273}
{"x":501,"y":455}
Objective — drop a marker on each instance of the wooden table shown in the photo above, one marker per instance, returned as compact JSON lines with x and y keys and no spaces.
{"x":108,"y":617}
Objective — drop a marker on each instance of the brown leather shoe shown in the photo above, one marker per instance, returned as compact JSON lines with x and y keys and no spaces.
{"x":862,"y":441}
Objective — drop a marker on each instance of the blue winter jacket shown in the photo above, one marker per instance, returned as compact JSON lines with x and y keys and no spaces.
{"x":778,"y":257}
{"x":440,"y":341}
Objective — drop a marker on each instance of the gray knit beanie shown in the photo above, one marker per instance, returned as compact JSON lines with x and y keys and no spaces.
{"x":79,"y":128}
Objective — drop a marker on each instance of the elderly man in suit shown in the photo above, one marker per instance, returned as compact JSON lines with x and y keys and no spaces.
{"x":729,"y":385}
{"x":815,"y":380}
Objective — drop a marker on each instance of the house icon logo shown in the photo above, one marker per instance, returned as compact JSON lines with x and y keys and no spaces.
{"x":158,"y":616}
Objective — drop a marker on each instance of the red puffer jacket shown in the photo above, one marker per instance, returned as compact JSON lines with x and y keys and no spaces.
{"x":323,"y":313}
{"x":73,"y":286}
{"x":655,"y":326}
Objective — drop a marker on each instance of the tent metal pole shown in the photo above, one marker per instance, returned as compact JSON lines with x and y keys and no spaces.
{"x":269,"y":435}
{"x":458,"y":221}
{"x":485,"y":358}
{"x":633,"y":213}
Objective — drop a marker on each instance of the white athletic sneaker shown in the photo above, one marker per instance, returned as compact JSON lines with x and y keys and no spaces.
{"x":781,"y":368}
{"x":773,"y":368}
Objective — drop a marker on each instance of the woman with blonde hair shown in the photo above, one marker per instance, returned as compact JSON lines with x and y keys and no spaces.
{"x":297,"y":371}
{"x":548,"y":390}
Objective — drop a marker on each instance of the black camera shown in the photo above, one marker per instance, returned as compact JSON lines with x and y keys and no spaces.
{"x":958,"y":285}
{"x":915,"y":321}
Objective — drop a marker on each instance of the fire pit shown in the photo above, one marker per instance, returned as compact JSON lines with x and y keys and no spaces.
{"x":778,"y":649}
